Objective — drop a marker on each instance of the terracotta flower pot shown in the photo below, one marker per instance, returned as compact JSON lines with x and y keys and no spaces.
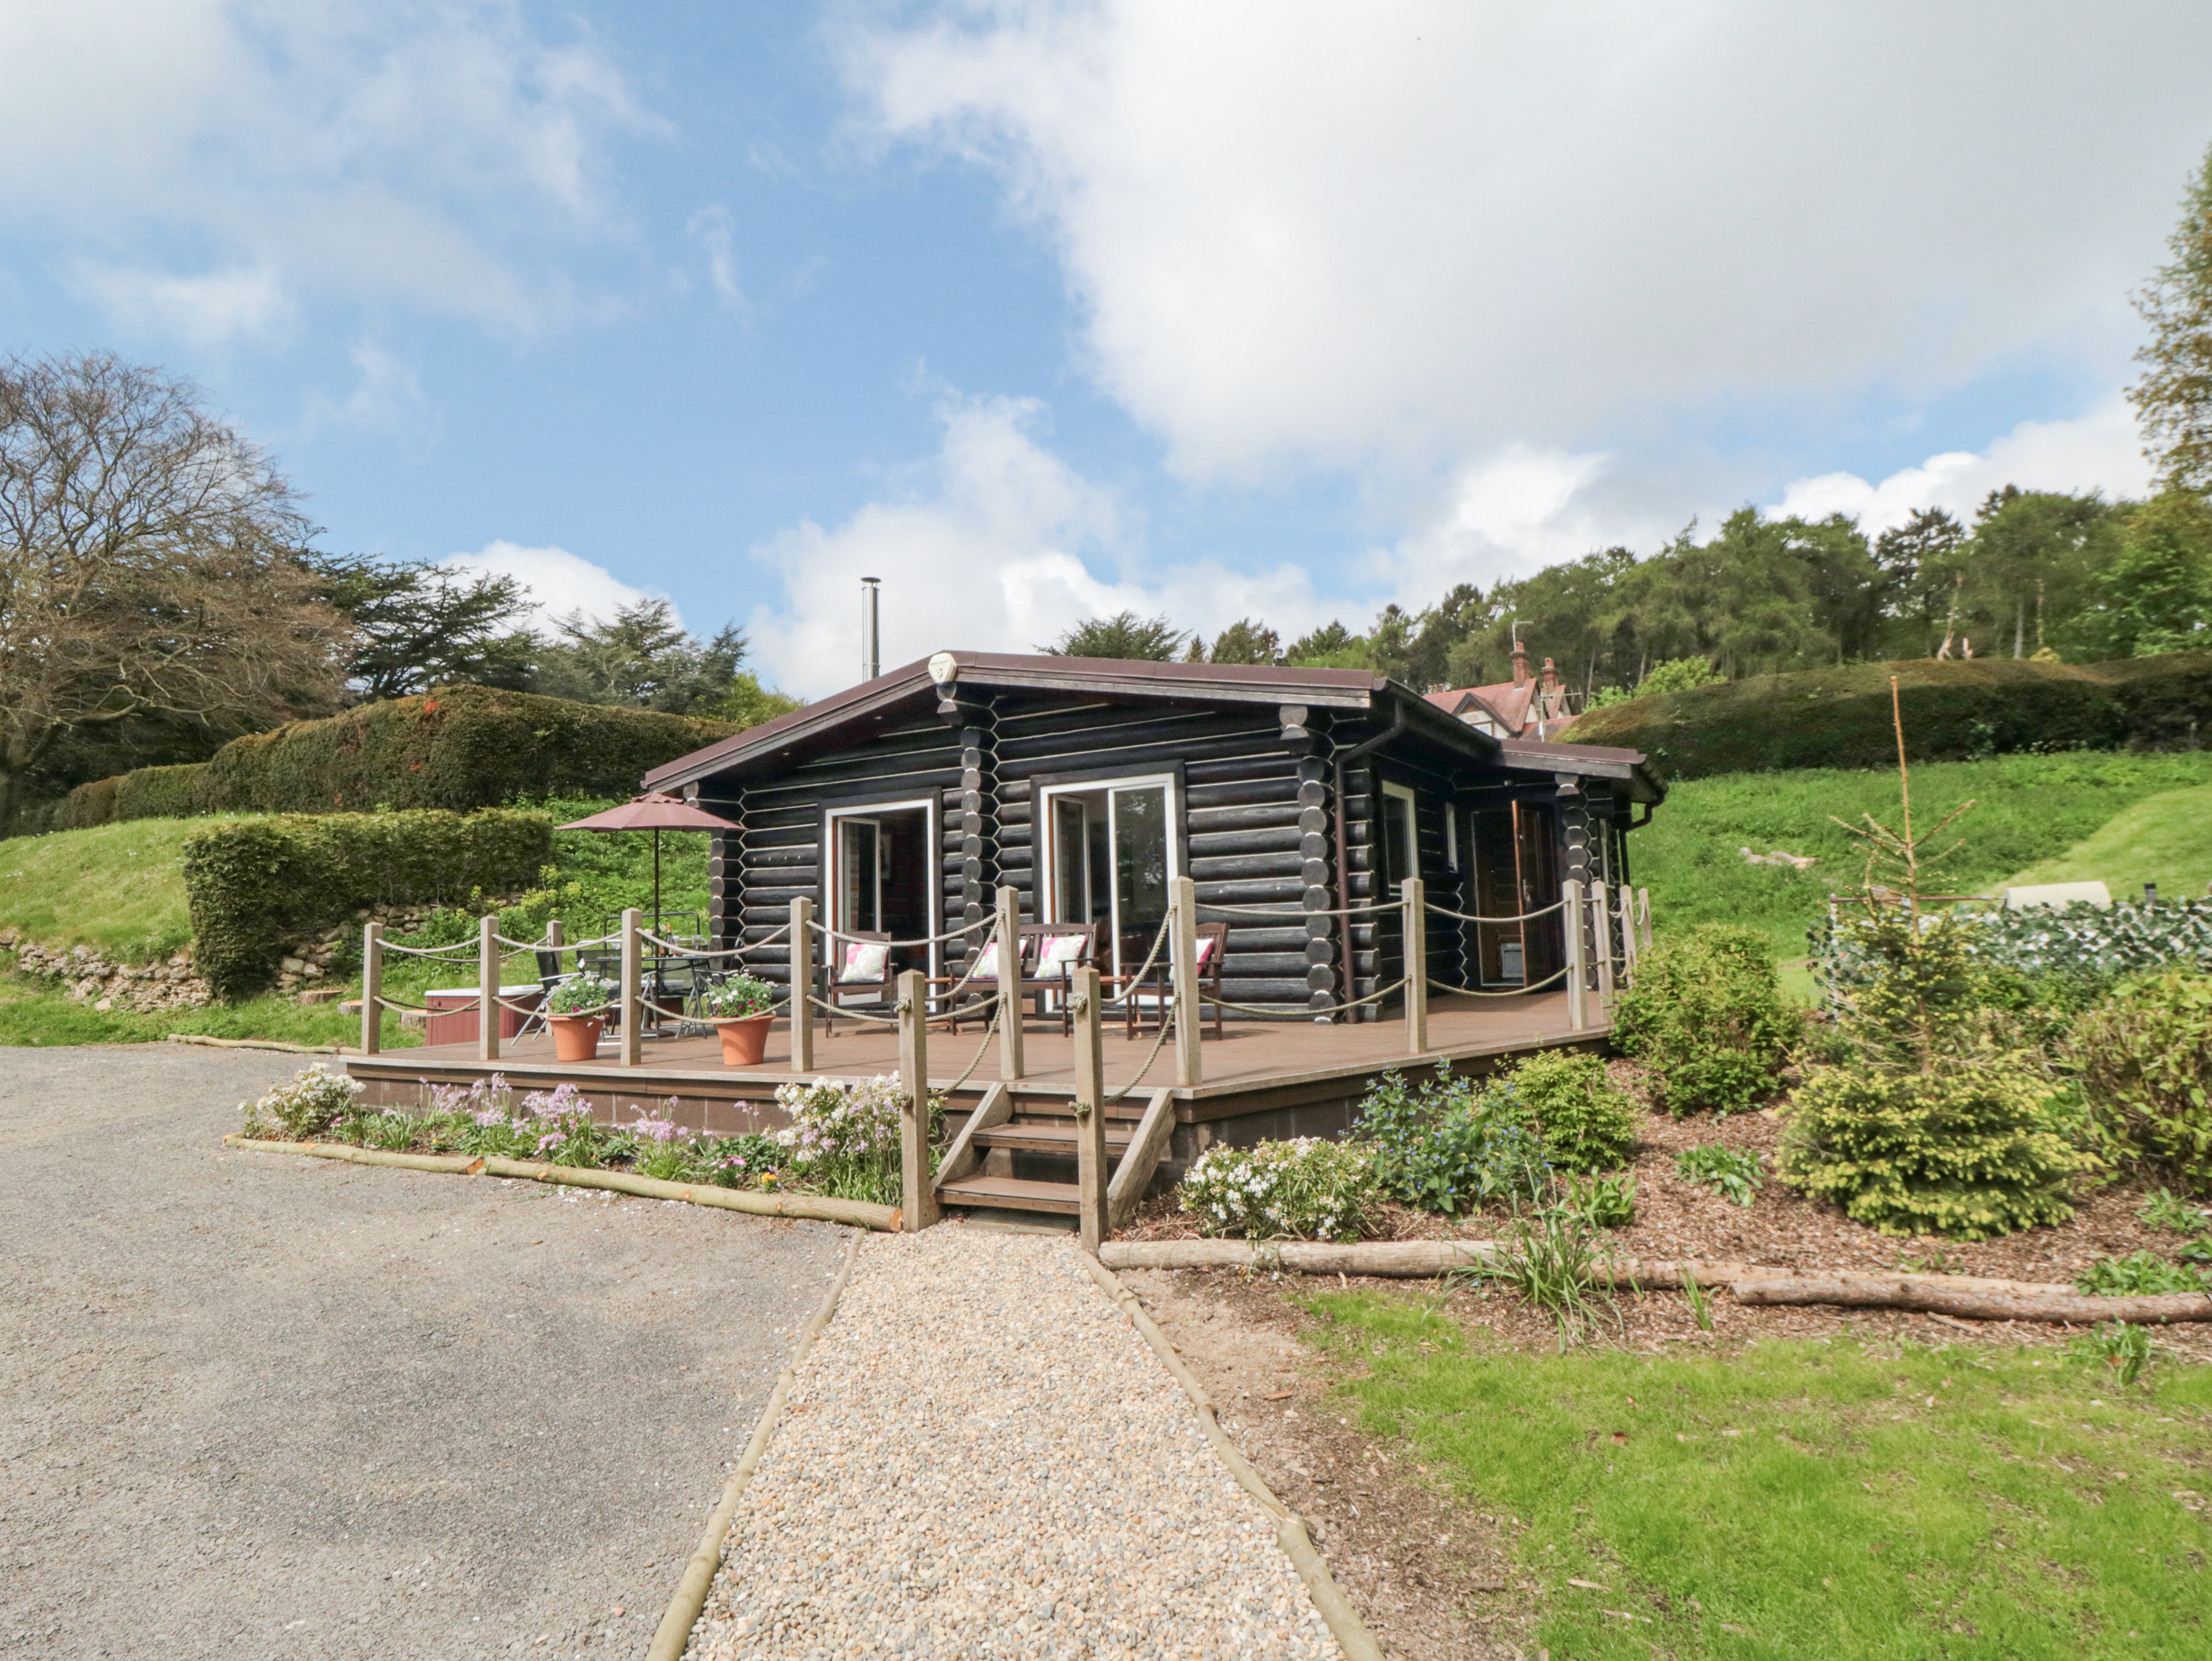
{"x":576,"y":1038}
{"x":744,"y":1038}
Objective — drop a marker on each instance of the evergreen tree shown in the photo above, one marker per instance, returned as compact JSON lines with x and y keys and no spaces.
{"x":2173,"y":398}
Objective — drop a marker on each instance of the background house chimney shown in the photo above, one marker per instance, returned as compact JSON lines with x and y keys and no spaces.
{"x":870,"y":631}
{"x":1520,"y":665}
{"x":1551,"y":676}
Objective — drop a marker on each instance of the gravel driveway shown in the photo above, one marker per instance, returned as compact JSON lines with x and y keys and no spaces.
{"x":253,"y":1406}
{"x":982,"y":1457}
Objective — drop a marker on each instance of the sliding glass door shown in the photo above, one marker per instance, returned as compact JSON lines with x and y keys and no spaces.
{"x":1112,"y":856}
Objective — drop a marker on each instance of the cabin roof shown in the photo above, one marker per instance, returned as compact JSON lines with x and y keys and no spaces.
{"x":1351,"y":689}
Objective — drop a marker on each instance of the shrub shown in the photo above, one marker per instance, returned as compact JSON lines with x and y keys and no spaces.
{"x":1309,"y":1189}
{"x":1732,"y":1172}
{"x":1602,"y":1201}
{"x":304,"y":1106}
{"x":256,"y":885}
{"x":1439,"y":1145}
{"x":2120,"y":1346}
{"x":2140,"y":1274}
{"x":88,"y":805}
{"x":845,"y":1138}
{"x":159,"y":792}
{"x":1587,"y":1122}
{"x":458,"y":748}
{"x":2145,"y":1061}
{"x":1971,"y":1153}
{"x":1955,"y":711}
{"x":1708,"y":1017}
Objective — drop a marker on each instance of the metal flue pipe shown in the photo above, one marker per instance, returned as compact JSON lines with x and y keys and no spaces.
{"x":871,"y":629}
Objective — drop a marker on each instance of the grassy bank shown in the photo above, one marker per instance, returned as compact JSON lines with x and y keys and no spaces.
{"x":38,"y":1012}
{"x":118,"y":889}
{"x":2029,"y":810}
{"x":1808,"y":1498}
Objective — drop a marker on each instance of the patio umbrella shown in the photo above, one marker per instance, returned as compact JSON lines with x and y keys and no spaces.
{"x":655,"y":812}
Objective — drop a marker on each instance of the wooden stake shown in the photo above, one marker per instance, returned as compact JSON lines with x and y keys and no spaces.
{"x":1413,"y":932}
{"x":487,"y":988}
{"x":801,"y":984}
{"x":1602,"y":937}
{"x":917,"y":1194}
{"x":372,"y":987}
{"x":1091,"y":1174}
{"x":1626,"y":901}
{"x":1577,"y":1017}
{"x":633,"y":1004}
{"x":1009,"y":982}
{"x":1189,"y":1013}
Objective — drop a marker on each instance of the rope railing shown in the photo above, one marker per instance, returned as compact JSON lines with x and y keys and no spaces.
{"x":1277,"y":1009}
{"x":1525,"y":917}
{"x":1151,"y":957}
{"x":829,"y":932}
{"x":384,"y":944}
{"x":1510,"y":992}
{"x":1294,"y":913}
{"x":1168,"y":1019}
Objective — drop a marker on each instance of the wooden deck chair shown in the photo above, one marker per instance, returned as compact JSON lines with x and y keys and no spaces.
{"x":1157,"y":992}
{"x":859,"y":970}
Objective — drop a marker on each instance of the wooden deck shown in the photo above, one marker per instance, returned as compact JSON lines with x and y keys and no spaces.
{"x":1256,"y":1068}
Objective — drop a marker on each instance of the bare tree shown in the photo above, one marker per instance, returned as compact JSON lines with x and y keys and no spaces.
{"x":149,"y":565}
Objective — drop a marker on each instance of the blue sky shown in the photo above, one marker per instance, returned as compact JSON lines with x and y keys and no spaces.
{"x":1041,"y":309}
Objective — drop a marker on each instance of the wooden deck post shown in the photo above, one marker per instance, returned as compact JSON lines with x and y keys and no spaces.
{"x":487,"y":988}
{"x":1182,"y":940}
{"x":1009,"y":982}
{"x":1413,"y":931}
{"x":917,"y":1195}
{"x":1601,"y":931}
{"x":1091,"y":1174}
{"x":1626,"y":904}
{"x":1643,"y":915}
{"x":372,"y":987}
{"x":1571,"y":914}
{"x":801,"y":984}
{"x":633,"y":1003}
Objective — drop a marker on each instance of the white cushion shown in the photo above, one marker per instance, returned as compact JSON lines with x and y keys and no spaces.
{"x":1205,"y":943}
{"x":987,"y":963}
{"x":1058,"y":954}
{"x":865,"y":960}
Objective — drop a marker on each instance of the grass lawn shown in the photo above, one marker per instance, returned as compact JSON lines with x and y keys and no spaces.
{"x":2164,"y":839}
{"x":2028,"y":809}
{"x":1798,"y":1499}
{"x":118,"y":889}
{"x":39,"y":1012}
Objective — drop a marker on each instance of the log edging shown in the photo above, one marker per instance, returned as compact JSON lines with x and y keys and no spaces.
{"x":810,"y":1207}
{"x":1328,"y":1600}
{"x":1967,"y":1296}
{"x":674,"y":1632}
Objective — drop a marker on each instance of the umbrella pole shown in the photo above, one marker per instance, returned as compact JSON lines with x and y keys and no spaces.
{"x":656,"y":879}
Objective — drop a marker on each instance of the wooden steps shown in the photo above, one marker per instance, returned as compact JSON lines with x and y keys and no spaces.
{"x":1012,"y":1193}
{"x":1005,"y":1124}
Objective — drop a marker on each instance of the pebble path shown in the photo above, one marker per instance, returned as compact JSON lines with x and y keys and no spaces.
{"x":982,"y":1457}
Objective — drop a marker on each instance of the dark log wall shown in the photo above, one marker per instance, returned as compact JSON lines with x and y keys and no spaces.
{"x":780,"y":850}
{"x":1252,"y":832}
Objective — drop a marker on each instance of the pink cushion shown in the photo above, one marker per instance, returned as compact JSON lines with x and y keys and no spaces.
{"x":987,"y":963}
{"x":1059,"y":954}
{"x":1206,"y":943}
{"x":865,"y":960}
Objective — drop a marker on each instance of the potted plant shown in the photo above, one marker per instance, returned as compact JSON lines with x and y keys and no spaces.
{"x":572,"y":1014}
{"x":741,"y":1009}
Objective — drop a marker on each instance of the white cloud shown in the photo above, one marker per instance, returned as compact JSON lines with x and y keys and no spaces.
{"x":240,"y":302}
{"x":1421,"y":231}
{"x":996,"y":548}
{"x":2100,"y":451}
{"x":559,"y":581}
{"x":430,"y":154}
{"x":387,"y":396}
{"x":712,"y":229}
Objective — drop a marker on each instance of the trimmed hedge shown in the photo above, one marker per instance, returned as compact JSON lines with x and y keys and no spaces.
{"x":159,"y":792}
{"x":1953,"y":712}
{"x":458,"y":748}
{"x":255,"y":886}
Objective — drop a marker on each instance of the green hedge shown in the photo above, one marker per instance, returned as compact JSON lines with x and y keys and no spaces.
{"x":459,"y":747}
{"x":1953,"y":712}
{"x":159,"y":792}
{"x":257,"y":885}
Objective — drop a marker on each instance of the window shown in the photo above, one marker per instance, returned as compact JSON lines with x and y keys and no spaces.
{"x":1400,"y":850}
{"x":1451,"y":835}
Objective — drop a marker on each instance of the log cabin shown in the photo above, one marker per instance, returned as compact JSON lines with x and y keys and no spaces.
{"x":899,"y":806}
